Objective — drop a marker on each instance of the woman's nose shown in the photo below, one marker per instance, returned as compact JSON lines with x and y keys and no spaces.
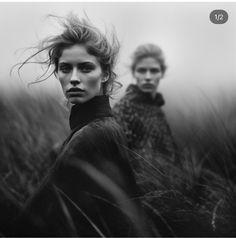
{"x":148,"y":76}
{"x":75,"y":79}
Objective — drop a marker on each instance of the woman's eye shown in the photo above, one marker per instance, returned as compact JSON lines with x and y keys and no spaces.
{"x":141,"y":70}
{"x":64,"y":69}
{"x":86,"y":69}
{"x":155,"y":71}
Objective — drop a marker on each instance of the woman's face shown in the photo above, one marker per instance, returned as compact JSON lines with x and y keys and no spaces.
{"x":80,"y":74}
{"x":148,"y":74}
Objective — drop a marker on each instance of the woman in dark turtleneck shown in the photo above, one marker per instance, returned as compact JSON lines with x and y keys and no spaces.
{"x":140,"y":114}
{"x":91,"y":190}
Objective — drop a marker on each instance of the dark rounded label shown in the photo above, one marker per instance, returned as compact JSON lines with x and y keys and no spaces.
{"x":219,"y":16}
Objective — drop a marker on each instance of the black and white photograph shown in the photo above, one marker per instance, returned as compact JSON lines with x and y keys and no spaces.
{"x":118,"y":119}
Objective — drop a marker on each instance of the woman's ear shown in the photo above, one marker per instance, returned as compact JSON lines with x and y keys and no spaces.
{"x":105,"y":77}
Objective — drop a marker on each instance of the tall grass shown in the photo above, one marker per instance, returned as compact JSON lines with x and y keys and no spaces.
{"x":31,"y":125}
{"x":195,"y":198}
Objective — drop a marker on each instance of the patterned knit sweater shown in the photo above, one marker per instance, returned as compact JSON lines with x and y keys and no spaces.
{"x":146,"y":128}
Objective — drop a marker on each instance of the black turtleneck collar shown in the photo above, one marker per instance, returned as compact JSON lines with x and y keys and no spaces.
{"x":135,"y":94}
{"x":82,"y":114}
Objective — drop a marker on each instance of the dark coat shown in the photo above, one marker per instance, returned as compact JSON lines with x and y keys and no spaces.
{"x":91,"y":189}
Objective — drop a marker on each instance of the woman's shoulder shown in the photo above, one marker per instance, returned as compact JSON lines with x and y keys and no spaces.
{"x":100,"y":126}
{"x":101,"y":138}
{"x":99,"y":130}
{"x":125,"y":105}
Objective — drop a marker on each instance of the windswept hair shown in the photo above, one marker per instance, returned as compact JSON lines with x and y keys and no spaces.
{"x":79,"y":31}
{"x":148,"y":50}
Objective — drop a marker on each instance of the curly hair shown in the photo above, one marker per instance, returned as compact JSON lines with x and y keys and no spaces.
{"x":148,"y":50}
{"x":79,"y":31}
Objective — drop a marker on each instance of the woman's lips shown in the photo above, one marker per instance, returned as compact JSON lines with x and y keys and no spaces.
{"x":148,"y":86}
{"x":73,"y":92}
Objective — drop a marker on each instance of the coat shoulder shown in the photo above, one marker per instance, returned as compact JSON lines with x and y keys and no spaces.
{"x":95,"y":136}
{"x":104,"y":128}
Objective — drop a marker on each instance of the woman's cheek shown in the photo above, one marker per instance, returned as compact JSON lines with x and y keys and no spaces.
{"x":94,"y":83}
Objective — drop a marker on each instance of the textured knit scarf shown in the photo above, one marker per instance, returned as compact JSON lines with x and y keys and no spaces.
{"x":136,"y":95}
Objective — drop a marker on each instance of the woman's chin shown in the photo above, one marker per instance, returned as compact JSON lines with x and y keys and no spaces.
{"x":77,"y":100}
{"x":148,"y":90}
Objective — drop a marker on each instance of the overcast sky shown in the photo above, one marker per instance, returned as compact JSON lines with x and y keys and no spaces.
{"x":200,"y":55}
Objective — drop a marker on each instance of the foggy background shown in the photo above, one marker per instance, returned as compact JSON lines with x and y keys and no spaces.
{"x":200,"y":55}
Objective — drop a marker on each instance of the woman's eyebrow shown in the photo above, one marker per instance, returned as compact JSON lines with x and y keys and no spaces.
{"x":64,"y":63}
{"x":141,"y":67}
{"x":86,"y":62}
{"x":79,"y":64}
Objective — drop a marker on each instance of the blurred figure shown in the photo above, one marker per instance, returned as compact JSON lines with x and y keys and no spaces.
{"x":140,"y":114}
{"x":90,"y":189}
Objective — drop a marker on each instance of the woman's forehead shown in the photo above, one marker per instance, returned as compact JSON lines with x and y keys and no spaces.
{"x":148,"y":62}
{"x":77,"y":53}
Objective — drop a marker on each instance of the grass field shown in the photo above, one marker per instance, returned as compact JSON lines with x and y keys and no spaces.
{"x":196,"y":198}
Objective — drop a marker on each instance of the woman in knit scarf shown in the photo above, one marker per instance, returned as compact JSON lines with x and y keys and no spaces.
{"x":140,"y":114}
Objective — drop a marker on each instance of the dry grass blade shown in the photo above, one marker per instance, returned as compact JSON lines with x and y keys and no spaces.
{"x":81,"y":212}
{"x":214,"y":215}
{"x":66,"y":212}
{"x":157,"y":213}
